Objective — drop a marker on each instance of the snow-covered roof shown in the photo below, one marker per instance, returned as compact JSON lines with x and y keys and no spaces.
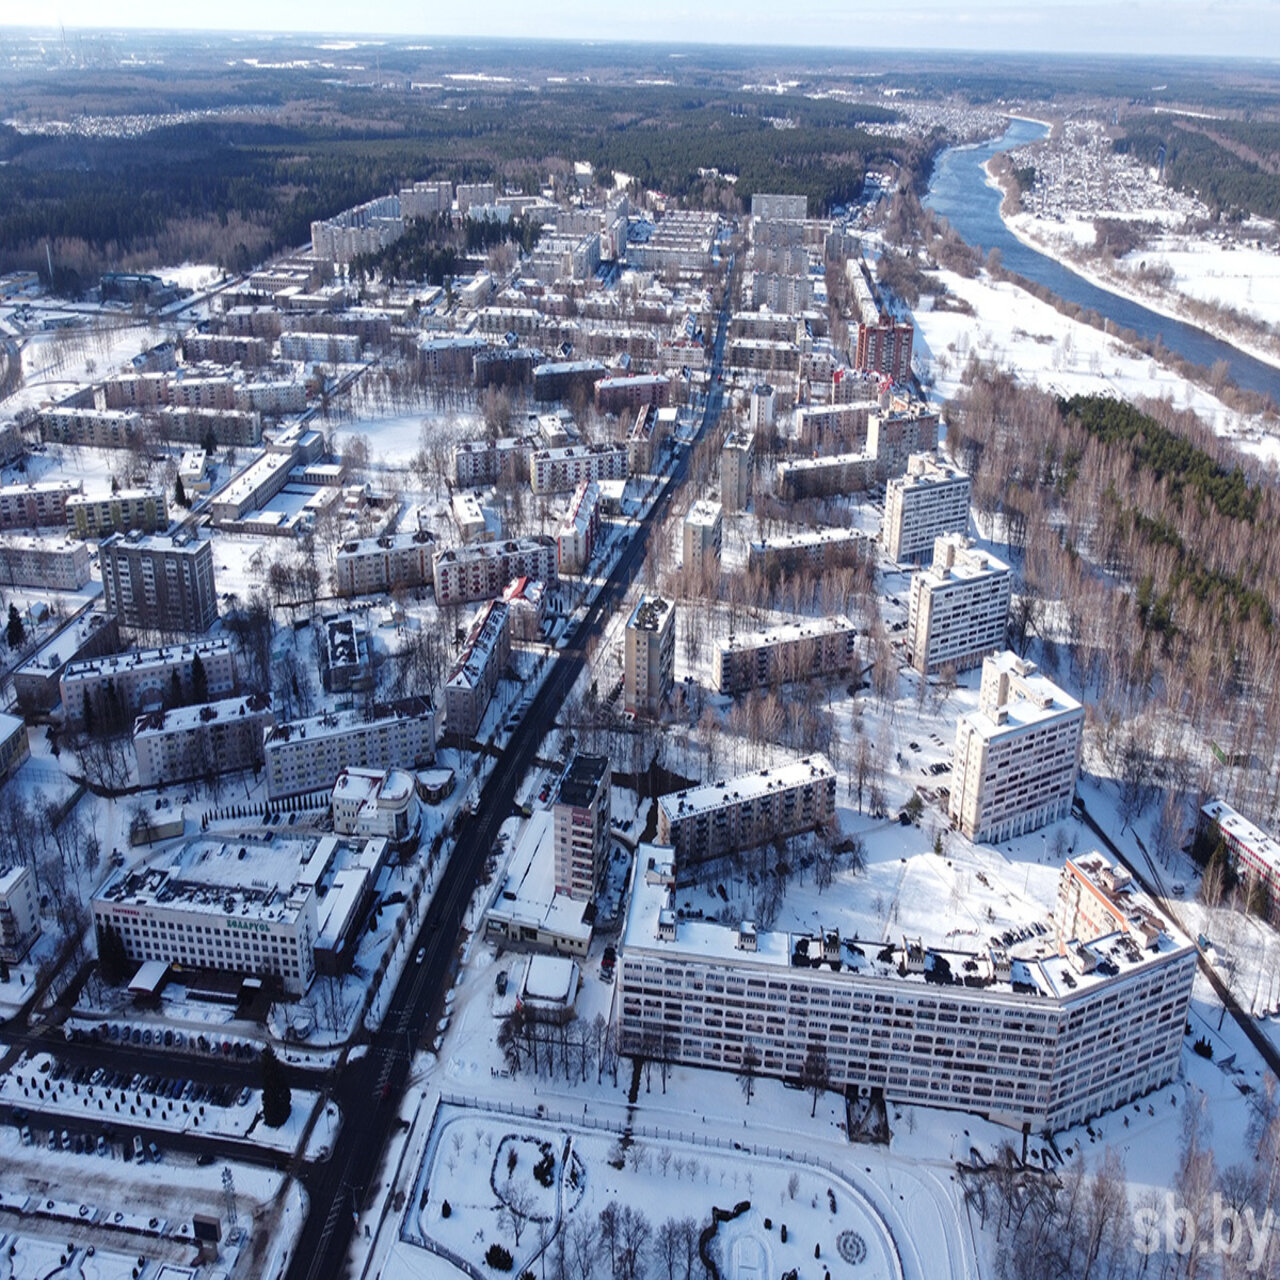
{"x":747,"y":786}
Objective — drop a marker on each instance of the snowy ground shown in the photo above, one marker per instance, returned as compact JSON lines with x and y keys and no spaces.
{"x":63,"y":1103}
{"x":1241,"y":277}
{"x":1013,"y":330}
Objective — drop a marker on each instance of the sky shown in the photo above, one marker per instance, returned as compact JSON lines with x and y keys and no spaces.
{"x":1216,"y":28}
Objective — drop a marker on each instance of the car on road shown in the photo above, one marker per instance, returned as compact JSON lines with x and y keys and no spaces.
{"x":204,"y":1159}
{"x":139,"y":1154}
{"x":421,"y":956}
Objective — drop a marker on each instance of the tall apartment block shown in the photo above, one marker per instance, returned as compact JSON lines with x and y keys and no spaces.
{"x":893,"y":436}
{"x":801,"y":651}
{"x":581,"y":818}
{"x":650,"y":658}
{"x":1038,"y":1043}
{"x":159,"y":582}
{"x":1017,"y":756}
{"x":959,"y":609}
{"x":703,"y":538}
{"x":884,"y":346}
{"x":931,"y":499}
{"x":764,"y":402}
{"x":736,"y":460}
{"x":724,"y":817}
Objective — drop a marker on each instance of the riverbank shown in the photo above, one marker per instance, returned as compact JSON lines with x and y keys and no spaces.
{"x":1027,"y":230}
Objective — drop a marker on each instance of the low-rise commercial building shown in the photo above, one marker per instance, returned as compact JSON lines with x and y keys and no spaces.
{"x":959,"y":609}
{"x":1016,"y":758}
{"x":376,"y":803}
{"x":799,"y":651}
{"x":725,"y":817}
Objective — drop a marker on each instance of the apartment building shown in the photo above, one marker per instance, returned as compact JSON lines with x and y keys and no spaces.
{"x":581,"y":823}
{"x":649,"y":656}
{"x":799,"y":651}
{"x":364,"y":566}
{"x":813,"y":552}
{"x":884,"y":346}
{"x":482,"y":571}
{"x":562,"y":470}
{"x":207,"y":740}
{"x":271,"y":395}
{"x":117,"y":686}
{"x":930,"y":500}
{"x":893,"y":436}
{"x":35,"y":683}
{"x":56,"y":564}
{"x":226,"y":348}
{"x":652,"y":426}
{"x":90,"y":428}
{"x":703,"y":534}
{"x":1016,"y":758}
{"x":959,"y":609}
{"x":14,"y":745}
{"x":681,"y":240}
{"x":1253,"y":855}
{"x":222,"y":428}
{"x":320,"y":348}
{"x":834,"y":428}
{"x":307,"y":755}
{"x":627,"y":394}
{"x":477,"y":463}
{"x":19,"y":913}
{"x":159,"y":582}
{"x":29,"y":506}
{"x":737,"y":459}
{"x":1039,"y":1043}
{"x":558,"y":379}
{"x":825,"y":477}
{"x":779,"y":208}
{"x":576,"y":539}
{"x":475,"y":675}
{"x":95,"y":517}
{"x":741,"y":813}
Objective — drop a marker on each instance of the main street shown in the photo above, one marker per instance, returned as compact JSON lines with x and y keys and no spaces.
{"x":369,"y":1088}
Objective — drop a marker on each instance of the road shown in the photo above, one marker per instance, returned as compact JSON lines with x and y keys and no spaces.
{"x":369,"y":1089}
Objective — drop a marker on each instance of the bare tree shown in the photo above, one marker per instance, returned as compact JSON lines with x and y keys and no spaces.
{"x":748,"y":1069}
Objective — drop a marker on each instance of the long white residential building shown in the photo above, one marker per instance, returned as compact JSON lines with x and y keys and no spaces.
{"x":95,"y":517}
{"x":797,"y":651}
{"x":308,"y":755}
{"x":364,"y":566}
{"x":576,"y":537}
{"x":559,"y":470}
{"x":703,"y":535}
{"x":44,"y":502}
{"x":931,"y":499}
{"x":1016,"y":757}
{"x":959,"y":610}
{"x":1042,"y":1042}
{"x":741,"y":813}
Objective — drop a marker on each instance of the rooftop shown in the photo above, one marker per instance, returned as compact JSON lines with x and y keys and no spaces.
{"x":650,"y":614}
{"x":791,"y":631}
{"x":747,"y":786}
{"x":582,"y":779}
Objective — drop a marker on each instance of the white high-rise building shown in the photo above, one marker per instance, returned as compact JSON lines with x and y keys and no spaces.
{"x":1017,"y":756}
{"x":703,"y":537}
{"x":930,"y":500}
{"x":650,"y":656}
{"x":959,"y":608}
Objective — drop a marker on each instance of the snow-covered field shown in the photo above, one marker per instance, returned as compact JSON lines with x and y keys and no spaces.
{"x":1013,"y":330}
